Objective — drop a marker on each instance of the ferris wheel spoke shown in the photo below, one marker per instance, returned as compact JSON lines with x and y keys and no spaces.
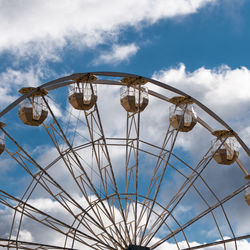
{"x":203,"y":198}
{"x":104,"y":210}
{"x":105,"y":168}
{"x":101,"y":236}
{"x":83,"y":179}
{"x":212,"y":213}
{"x":73,"y":165}
{"x":131,"y":167}
{"x":205,"y":201}
{"x":45,"y":219}
{"x":145,"y":207}
{"x":161,"y":165}
{"x":52,"y":187}
{"x":218,"y":242}
{"x":154,"y":182}
{"x":24,"y":198}
{"x":188,"y":183}
{"x":222,"y":207}
{"x":201,"y":215}
{"x":156,"y":213}
{"x":28,"y":245}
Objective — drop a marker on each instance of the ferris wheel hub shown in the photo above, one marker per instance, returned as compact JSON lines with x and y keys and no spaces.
{"x":134,"y":247}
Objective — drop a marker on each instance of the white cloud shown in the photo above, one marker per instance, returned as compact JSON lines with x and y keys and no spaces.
{"x":224,"y":90}
{"x":27,"y":24}
{"x":117,"y":54}
{"x":242,"y":245}
{"x":33,"y":231}
{"x":11,"y":80}
{"x":25,"y":236}
{"x":14,"y":79}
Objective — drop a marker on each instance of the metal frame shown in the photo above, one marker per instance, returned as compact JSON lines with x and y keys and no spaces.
{"x":141,"y":217}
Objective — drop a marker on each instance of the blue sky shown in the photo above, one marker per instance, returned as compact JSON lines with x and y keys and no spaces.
{"x":198,"y":46}
{"x":212,"y":36}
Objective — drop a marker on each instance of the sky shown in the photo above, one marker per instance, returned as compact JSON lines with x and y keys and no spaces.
{"x":200,"y":47}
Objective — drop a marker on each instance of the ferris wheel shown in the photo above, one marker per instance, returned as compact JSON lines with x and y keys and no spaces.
{"x":119,"y":161}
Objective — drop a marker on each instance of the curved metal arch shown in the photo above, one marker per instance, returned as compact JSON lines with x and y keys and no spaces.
{"x":62,"y":82}
{"x":141,"y":203}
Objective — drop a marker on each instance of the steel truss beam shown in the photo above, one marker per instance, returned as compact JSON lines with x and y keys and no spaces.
{"x":83,"y":180}
{"x":117,"y":234}
{"x":28,"y":245}
{"x":219,"y":242}
{"x":52,"y":187}
{"x":181,"y":193}
{"x":64,"y":81}
{"x":160,"y":169}
{"x":45,"y":219}
{"x":132,"y":167}
{"x":202,"y":214}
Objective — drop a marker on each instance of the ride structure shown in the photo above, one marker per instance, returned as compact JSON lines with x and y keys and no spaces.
{"x":117,"y":171}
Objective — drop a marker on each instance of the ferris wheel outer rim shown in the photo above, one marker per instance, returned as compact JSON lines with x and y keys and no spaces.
{"x":116,"y":74}
{"x":120,"y":74}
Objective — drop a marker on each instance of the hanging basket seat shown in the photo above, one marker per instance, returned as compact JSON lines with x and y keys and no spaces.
{"x":175,"y":120}
{"x":184,"y":122}
{"x":134,"y":247}
{"x":78,"y":102}
{"x":228,"y":152}
{"x":27,"y":116}
{"x":222,"y":156}
{"x":134,"y":97}
{"x":32,"y":111}
{"x":129,"y":104}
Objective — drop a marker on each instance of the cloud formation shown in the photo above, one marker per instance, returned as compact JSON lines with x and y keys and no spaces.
{"x":224,"y":90}
{"x":27,"y":26}
{"x":118,"y":54}
{"x":12,"y":79}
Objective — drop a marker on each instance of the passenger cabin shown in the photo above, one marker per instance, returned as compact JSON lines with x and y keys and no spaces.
{"x":2,"y":144}
{"x":2,"y":140}
{"x":227,"y":153}
{"x":134,"y":247}
{"x":247,"y":195}
{"x":82,"y":93}
{"x":32,"y":110}
{"x":182,"y":116}
{"x":134,"y":97}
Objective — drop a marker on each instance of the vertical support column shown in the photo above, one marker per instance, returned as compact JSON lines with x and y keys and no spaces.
{"x":132,"y":165}
{"x":105,"y":168}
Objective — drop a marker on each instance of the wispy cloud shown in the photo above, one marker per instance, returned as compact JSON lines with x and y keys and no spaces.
{"x":117,"y":54}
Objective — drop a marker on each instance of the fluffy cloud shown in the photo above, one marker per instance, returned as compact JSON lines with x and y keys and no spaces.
{"x":117,"y":54}
{"x":242,"y":245}
{"x":224,"y":90}
{"x":29,"y":24}
{"x":12,"y":79}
